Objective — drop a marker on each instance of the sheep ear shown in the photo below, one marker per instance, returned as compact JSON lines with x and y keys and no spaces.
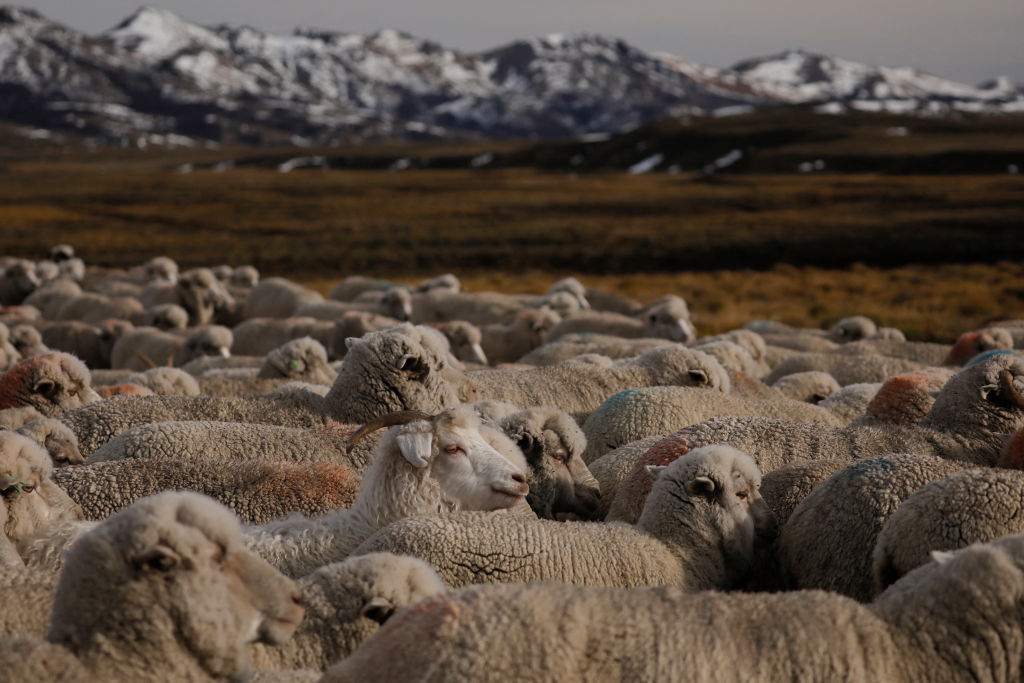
{"x":158,"y":558}
{"x":44,"y":387}
{"x":378,"y":608}
{"x":525,"y":442}
{"x":698,"y":376}
{"x":701,"y":486}
{"x":350,"y":342}
{"x":941,"y":556}
{"x":416,"y":447}
{"x":656,"y":470}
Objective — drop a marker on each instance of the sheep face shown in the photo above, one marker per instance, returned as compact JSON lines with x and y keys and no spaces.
{"x":172,"y":567}
{"x":464,"y":339}
{"x":203,"y":295}
{"x":724,"y":509}
{"x":851,"y":329}
{"x":558,"y":478}
{"x":160,"y":270}
{"x":301,"y":359}
{"x":669,"y":319}
{"x":52,"y":383}
{"x":31,"y":500}
{"x":397,"y":303}
{"x":211,"y":341}
{"x":473,"y":464}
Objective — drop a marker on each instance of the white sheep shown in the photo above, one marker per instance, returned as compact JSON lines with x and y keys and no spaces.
{"x":955,"y":619}
{"x":698,"y":530}
{"x":429,"y":465}
{"x":51,"y":383}
{"x":347,"y":602}
{"x":147,"y":347}
{"x":163,"y":590}
{"x":667,"y":317}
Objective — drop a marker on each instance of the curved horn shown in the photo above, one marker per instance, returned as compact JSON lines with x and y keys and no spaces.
{"x":143,"y":357}
{"x":390,"y":420}
{"x":1009,"y":391}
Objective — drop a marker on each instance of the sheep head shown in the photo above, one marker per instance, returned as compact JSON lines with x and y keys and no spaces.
{"x":213,"y":340}
{"x":168,"y":579}
{"x":558,"y":478}
{"x":31,"y":500}
{"x":302,"y":359}
{"x":669,"y":318}
{"x":393,"y":370}
{"x":851,"y":329}
{"x":464,"y":339}
{"x":56,"y":437}
{"x":52,"y":383}
{"x":970,"y":344}
{"x":720,"y":486}
{"x":160,"y":269}
{"x":984,"y":397}
{"x":475,"y":467}
{"x":203,"y":295}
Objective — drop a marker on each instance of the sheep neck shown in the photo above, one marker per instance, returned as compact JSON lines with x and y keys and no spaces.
{"x":697,"y":546}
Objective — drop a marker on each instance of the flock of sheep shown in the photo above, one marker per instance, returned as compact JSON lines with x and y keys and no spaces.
{"x":211,"y":476}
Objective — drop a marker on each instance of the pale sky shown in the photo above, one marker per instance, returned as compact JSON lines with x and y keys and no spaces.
{"x":965,"y":40}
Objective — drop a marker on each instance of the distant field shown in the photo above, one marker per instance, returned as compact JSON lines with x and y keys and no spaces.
{"x":718,"y":242}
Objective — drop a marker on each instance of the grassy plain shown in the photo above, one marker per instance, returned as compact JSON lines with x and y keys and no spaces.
{"x":933,"y":255}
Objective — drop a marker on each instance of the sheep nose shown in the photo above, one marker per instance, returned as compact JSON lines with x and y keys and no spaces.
{"x":519,"y":478}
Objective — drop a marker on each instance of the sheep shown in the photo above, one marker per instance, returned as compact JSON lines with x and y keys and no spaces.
{"x":392,"y":370}
{"x":905,"y":399}
{"x":970,"y":344}
{"x":179,"y":441}
{"x":163,"y":317}
{"x":27,"y":340}
{"x":276,"y":297}
{"x":20,"y":315}
{"x":123,"y":389}
{"x":50,"y":297}
{"x":53,"y":435}
{"x":635,"y":413}
{"x":32,"y":502}
{"x":244,"y":276}
{"x":751,"y":342}
{"x":812,"y":387}
{"x":9,"y":354}
{"x":446,"y":281}
{"x":698,"y":531}
{"x":786,"y":487}
{"x":92,"y":343}
{"x":428,"y":465}
{"x":147,"y":347}
{"x":850,"y":402}
{"x":926,"y":353}
{"x":955,"y":619}
{"x":667,"y":317}
{"x":971,"y":506}
{"x":972,"y":414}
{"x":17,"y":281}
{"x":259,"y":336}
{"x":394,"y":303}
{"x":346,"y":602}
{"x":465,"y":341}
{"x":92,"y":308}
{"x":478,"y":308}
{"x":165,"y":381}
{"x":578,"y":389}
{"x":614,"y":466}
{"x":257,"y":492}
{"x":51,"y":383}
{"x":732,"y":357}
{"x":355,"y":324}
{"x":572,"y":345}
{"x":847,"y":369}
{"x":303,"y":359}
{"x":558,"y":479}
{"x":829,"y":537}
{"x":161,"y":591}
{"x":352,"y":286}
{"x":198,"y":291}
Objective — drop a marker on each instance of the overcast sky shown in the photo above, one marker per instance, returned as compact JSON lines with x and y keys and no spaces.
{"x":966,"y":40}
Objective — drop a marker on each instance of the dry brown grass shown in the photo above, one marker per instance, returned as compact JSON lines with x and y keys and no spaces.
{"x":716,"y":243}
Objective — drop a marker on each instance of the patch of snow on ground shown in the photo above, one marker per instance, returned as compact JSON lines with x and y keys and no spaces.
{"x":647,"y":165}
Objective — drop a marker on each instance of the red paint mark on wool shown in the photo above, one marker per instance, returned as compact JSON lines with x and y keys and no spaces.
{"x":12,"y":383}
{"x":1013,"y":453}
{"x":966,"y":347}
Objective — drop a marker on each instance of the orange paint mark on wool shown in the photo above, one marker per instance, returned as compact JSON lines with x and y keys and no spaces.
{"x":967,"y":346}
{"x":126,"y":389}
{"x":13,"y":383}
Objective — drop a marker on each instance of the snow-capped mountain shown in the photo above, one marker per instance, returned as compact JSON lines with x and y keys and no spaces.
{"x":158,"y":78}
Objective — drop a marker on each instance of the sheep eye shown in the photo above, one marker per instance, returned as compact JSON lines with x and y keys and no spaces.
{"x":160,"y":563}
{"x":452,"y":449}
{"x":27,"y":488}
{"x":742,"y":495}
